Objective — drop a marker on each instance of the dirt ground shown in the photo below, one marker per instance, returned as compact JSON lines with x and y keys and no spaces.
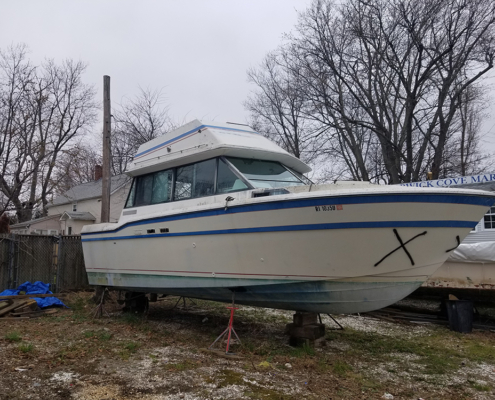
{"x":70,"y":355}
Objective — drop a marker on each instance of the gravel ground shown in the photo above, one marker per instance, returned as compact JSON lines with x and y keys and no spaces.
{"x":163,"y":356}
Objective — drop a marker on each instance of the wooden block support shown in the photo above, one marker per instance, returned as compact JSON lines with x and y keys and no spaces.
{"x":305,"y":318}
{"x":312,"y":332}
{"x":305,"y":330}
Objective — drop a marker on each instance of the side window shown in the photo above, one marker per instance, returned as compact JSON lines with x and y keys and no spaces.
{"x":196,"y":180}
{"x":184,"y":182}
{"x":227,"y":181}
{"x":144,"y":188}
{"x":204,"y":178}
{"x":132,"y":192}
{"x":162,"y":187}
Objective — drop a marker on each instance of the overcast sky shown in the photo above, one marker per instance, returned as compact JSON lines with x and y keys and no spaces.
{"x":197,"y":50}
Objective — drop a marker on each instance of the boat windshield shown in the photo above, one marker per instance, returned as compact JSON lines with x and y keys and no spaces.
{"x":265,"y":174}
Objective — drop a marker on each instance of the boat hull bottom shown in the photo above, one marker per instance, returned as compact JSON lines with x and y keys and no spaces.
{"x":331,"y":297}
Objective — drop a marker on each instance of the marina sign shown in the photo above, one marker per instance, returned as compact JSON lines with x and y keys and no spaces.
{"x":462,"y":180}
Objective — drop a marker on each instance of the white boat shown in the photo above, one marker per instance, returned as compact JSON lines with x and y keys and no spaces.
{"x":217,"y":208}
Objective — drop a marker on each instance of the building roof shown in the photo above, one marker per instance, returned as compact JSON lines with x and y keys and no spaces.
{"x":78,"y":215}
{"x":89,"y":190}
{"x":33,"y":221}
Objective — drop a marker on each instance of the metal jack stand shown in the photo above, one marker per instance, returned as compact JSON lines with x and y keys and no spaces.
{"x":184,"y":305}
{"x":100,"y":308}
{"x":334,"y":320}
{"x":229,"y":329}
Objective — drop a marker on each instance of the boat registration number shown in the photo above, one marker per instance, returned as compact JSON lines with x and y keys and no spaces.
{"x":337,"y":207}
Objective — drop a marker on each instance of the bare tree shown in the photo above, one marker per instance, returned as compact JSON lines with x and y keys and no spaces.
{"x":43,"y":109}
{"x":389,"y":80}
{"x":278,"y":108}
{"x":137,"y":121}
{"x":16,"y":74}
{"x":75,"y":166}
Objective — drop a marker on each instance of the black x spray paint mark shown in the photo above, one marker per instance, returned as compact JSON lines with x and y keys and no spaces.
{"x":458,"y":243}
{"x":402,"y":246}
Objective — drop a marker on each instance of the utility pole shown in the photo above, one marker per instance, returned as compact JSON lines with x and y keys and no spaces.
{"x":107,"y":128}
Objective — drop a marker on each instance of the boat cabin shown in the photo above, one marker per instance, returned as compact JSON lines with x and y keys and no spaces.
{"x":214,"y":176}
{"x":199,"y":160}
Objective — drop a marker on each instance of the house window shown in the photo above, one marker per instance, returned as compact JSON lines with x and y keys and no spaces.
{"x":69,"y":230}
{"x":489,"y":219}
{"x":74,"y":207}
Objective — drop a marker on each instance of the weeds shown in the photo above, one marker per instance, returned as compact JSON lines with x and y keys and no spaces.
{"x":102,"y":335}
{"x":341,"y":368}
{"x":129,"y":348}
{"x":480,"y":387}
{"x":13,"y":337}
{"x":26,"y":348}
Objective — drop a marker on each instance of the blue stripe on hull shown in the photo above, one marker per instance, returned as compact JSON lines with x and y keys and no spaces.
{"x":334,"y":200}
{"x":307,"y":227}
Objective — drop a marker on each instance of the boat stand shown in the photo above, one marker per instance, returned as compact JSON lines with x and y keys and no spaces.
{"x":229,"y":329}
{"x":100,"y":308}
{"x":184,"y":305}
{"x":341,"y":328}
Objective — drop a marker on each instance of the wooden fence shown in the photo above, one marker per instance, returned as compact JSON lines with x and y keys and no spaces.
{"x":57,"y":260}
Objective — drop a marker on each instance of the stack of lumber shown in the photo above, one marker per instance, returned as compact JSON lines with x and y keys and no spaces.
{"x":21,"y":307}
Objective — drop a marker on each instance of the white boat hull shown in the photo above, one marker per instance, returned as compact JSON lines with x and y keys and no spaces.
{"x":321,"y":252}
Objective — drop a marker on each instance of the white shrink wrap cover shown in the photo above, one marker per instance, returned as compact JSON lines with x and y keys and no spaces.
{"x":482,"y":252}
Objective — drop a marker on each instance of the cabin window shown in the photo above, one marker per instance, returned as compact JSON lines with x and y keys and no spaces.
{"x":130,"y":198}
{"x":489,"y":219}
{"x":144,"y":190}
{"x":190,"y":181}
{"x":162,"y":186}
{"x":196,"y":180}
{"x":74,"y":207}
{"x":265,"y":174}
{"x":227,"y":181}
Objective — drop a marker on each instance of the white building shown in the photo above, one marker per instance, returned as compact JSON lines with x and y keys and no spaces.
{"x":79,"y":206}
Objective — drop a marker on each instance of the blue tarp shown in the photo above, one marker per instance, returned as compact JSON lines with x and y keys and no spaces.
{"x":35,"y":288}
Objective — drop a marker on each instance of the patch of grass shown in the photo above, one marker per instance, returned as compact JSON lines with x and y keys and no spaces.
{"x":183,"y":366}
{"x":13,"y":337}
{"x":436,"y":358}
{"x":26,"y":348}
{"x":101,"y":335}
{"x":77,"y":304}
{"x":305,"y":350}
{"x":131,"y":319}
{"x":480,"y":387}
{"x":131,"y":346}
{"x":228,"y":377}
{"x":105,"y":335}
{"x":478,"y":351}
{"x":341,"y":368}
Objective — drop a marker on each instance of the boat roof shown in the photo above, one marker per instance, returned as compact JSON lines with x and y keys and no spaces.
{"x":199,"y":140}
